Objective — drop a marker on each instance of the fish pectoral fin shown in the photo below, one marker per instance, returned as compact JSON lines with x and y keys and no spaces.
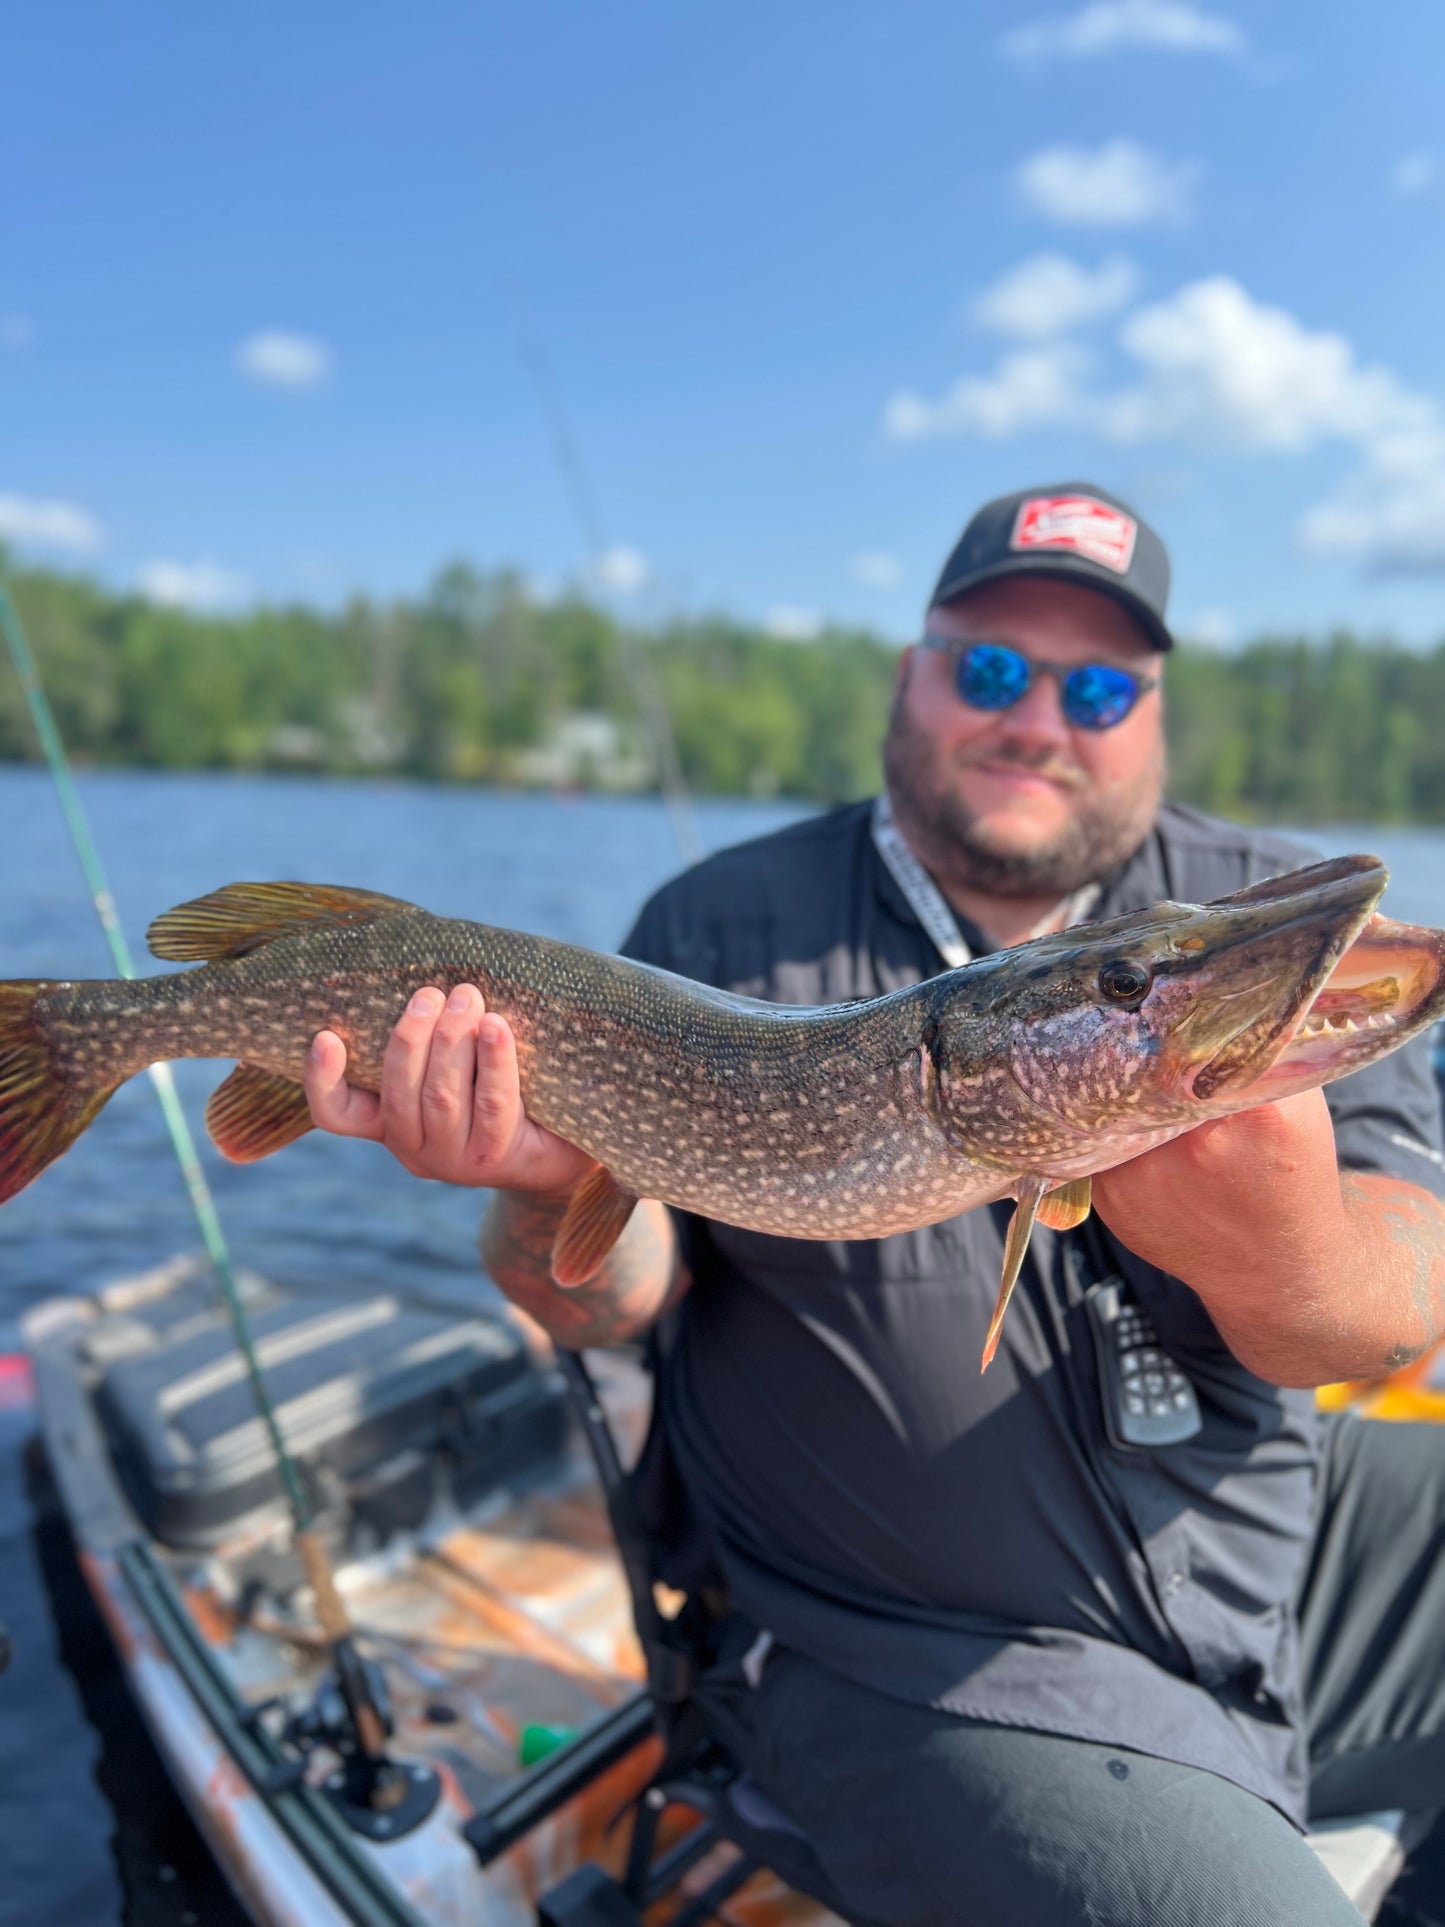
{"x":1061,"y":1210}
{"x":595,"y":1219}
{"x":255,"y":1113}
{"x":243,"y":917}
{"x":1020,"y":1225}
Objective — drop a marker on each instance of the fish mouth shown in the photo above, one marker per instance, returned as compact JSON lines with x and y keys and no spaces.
{"x":1387,"y":987}
{"x":1262,"y":967}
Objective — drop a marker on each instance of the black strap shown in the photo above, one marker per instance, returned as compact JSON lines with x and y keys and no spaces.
{"x":671,"y":1660}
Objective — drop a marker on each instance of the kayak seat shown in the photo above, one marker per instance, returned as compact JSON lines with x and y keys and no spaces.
{"x":728,"y":1806}
{"x":696,"y":1772}
{"x":752,"y":1807}
{"x":735,"y":1810}
{"x":1365,"y":1853}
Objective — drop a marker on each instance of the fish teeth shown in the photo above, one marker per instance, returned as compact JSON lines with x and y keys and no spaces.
{"x":1319,"y":1024}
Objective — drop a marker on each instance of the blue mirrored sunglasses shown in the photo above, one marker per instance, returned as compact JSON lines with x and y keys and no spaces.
{"x":995,"y":675}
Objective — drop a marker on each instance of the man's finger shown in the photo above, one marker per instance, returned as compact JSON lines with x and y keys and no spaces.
{"x":497,"y":1101}
{"x":446,"y":1092}
{"x":335,"y":1106}
{"x":403,"y":1071}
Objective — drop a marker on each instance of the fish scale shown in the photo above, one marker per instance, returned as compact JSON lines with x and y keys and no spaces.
{"x":1019,"y":1074}
{"x":740,"y":1097}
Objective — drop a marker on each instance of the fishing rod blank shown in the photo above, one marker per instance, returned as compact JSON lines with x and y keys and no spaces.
{"x":382,"y":1784}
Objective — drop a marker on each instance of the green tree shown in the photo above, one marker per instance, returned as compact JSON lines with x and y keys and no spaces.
{"x":461,"y":683}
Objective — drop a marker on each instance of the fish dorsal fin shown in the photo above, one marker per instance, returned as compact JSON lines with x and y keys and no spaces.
{"x":1061,"y":1210}
{"x":1020,"y":1226}
{"x":255,"y":1113}
{"x":595,"y":1219}
{"x":243,"y":917}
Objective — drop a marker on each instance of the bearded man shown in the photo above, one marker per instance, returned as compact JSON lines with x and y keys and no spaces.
{"x":1091,"y":1637}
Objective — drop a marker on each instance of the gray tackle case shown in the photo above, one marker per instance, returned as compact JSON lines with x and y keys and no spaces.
{"x":379,"y":1400}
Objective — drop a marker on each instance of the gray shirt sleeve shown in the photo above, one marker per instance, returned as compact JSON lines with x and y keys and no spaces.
{"x":646,"y":942}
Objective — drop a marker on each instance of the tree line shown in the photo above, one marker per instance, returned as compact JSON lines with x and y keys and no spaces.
{"x":476,"y":681}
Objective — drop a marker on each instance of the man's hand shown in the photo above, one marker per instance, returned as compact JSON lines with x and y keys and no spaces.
{"x":451,"y":1105}
{"x":451,"y":1108}
{"x":1238,"y":1199}
{"x":1309,"y":1275}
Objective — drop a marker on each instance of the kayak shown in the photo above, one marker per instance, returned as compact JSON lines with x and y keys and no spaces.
{"x":472,"y":1549}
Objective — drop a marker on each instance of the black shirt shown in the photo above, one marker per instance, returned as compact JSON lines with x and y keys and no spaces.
{"x":975,"y":1542}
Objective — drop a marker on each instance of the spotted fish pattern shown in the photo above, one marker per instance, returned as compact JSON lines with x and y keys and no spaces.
{"x":1015,"y":1075}
{"x":805,"y":1122}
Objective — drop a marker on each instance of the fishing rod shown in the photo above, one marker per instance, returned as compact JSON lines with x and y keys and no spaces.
{"x":378,"y":1783}
{"x":637,"y":665}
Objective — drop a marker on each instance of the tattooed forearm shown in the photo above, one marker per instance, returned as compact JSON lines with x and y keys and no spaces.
{"x":641,"y":1277}
{"x":1410,"y":1239}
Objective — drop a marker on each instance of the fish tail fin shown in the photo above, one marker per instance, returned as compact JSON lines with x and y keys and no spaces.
{"x":44,"y":1106}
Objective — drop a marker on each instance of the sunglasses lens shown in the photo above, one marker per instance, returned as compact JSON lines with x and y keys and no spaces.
{"x":1098,"y":695}
{"x":992,"y":677}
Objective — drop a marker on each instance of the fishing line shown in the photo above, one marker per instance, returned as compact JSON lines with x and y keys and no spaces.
{"x":381,"y":1783}
{"x":637,"y":665}
{"x":183,"y":1144}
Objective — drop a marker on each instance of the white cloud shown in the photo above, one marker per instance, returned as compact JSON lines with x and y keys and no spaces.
{"x":622,"y":570}
{"x":16,"y":331}
{"x":1220,"y":366}
{"x":1048,"y":294}
{"x":1028,"y":389}
{"x":277,"y":359}
{"x":876,"y":569}
{"x":48,"y":525}
{"x":1413,"y":173}
{"x":1209,"y":629}
{"x":1217,"y":369}
{"x":1111,"y":26}
{"x":199,"y":586}
{"x":791,"y":624}
{"x":1120,"y":184}
{"x":1394,"y":523}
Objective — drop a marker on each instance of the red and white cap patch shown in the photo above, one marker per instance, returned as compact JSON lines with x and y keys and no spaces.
{"x":1089,"y":528}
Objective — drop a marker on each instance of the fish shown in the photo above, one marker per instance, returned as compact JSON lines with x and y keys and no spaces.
{"x":1019,"y":1075}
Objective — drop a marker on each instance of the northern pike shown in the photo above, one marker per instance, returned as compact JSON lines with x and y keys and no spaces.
{"x":1018,"y":1075}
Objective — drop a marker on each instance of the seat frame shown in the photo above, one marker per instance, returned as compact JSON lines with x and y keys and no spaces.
{"x":1364,"y":1854}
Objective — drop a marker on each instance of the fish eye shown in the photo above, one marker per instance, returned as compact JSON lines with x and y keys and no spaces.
{"x":1122,"y":981}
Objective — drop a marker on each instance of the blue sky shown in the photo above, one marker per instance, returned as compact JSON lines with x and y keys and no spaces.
{"x":814,"y":279}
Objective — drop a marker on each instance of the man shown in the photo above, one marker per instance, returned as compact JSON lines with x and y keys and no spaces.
{"x":1000,"y":1665}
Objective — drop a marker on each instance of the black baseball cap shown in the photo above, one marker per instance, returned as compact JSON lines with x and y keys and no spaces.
{"x":1069,"y":531}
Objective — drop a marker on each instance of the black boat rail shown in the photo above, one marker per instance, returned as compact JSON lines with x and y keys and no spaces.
{"x":307,"y":1817}
{"x":519,"y":1806}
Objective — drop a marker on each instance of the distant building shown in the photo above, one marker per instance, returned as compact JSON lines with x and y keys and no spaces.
{"x":586,"y":751}
{"x":297,"y":744}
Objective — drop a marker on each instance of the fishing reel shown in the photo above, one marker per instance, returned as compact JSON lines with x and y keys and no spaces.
{"x":350,"y":1716}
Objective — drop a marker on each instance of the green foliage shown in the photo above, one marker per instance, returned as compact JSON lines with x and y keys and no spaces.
{"x":475,"y":682}
{"x":1291,"y":731}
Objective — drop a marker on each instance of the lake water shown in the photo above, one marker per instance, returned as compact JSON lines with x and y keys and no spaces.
{"x":87,"y":1831}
